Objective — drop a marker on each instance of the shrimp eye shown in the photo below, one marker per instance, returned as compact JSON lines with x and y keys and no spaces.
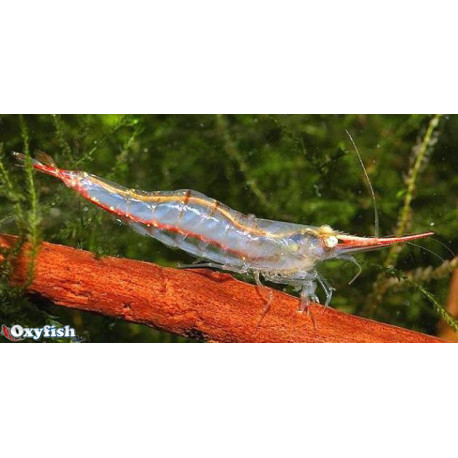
{"x":330,"y":242}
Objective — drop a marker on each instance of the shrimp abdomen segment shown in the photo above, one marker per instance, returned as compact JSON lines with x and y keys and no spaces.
{"x":187,"y":220}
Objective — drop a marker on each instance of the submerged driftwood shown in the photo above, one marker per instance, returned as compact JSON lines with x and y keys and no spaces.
{"x":202,"y":304}
{"x":446,"y":332}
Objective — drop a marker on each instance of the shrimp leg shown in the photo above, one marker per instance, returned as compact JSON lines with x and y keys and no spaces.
{"x":349,"y":258}
{"x":259,"y":286}
{"x":212,"y":265}
{"x":308,"y":293}
{"x":327,"y":288}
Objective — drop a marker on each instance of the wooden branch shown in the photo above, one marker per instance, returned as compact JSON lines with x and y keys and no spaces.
{"x":445,"y":331}
{"x":202,"y":304}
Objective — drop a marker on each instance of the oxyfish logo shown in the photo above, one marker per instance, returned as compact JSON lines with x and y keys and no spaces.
{"x":17,"y":332}
{"x":6,"y":331}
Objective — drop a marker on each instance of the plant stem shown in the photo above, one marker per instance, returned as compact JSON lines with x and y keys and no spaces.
{"x":420,"y":155}
{"x":33,"y":218}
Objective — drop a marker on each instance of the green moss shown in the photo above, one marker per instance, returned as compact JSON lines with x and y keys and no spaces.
{"x":299,"y":168}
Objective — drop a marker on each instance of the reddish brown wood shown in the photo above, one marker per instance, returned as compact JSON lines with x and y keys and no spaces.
{"x":197,"y":303}
{"x":446,"y":331}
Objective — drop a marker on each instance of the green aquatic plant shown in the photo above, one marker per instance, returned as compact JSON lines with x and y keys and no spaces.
{"x":299,"y":168}
{"x":418,"y":161}
{"x":33,"y":219}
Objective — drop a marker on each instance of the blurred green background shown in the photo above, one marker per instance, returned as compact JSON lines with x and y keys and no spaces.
{"x":298,"y":168}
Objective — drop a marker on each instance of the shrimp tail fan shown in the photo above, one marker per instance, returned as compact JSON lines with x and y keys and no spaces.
{"x":45,"y":159}
{"x":42,"y":162}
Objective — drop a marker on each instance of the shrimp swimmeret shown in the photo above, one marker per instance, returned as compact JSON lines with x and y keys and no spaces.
{"x":280,"y":252}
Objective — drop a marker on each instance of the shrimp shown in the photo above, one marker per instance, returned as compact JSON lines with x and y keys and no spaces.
{"x":281,"y":252}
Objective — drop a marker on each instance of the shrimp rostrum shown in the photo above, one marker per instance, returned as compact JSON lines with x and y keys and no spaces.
{"x":280,"y":252}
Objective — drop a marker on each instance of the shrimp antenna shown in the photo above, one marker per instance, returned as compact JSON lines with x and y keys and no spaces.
{"x":429,"y":251}
{"x":376,"y":220}
{"x":444,"y":245}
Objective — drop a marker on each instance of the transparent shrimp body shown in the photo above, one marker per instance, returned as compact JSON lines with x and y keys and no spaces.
{"x":207,"y":229}
{"x":280,"y":252}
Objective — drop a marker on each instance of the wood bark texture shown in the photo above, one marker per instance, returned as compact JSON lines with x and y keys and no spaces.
{"x":198,"y":303}
{"x":445,"y":331}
